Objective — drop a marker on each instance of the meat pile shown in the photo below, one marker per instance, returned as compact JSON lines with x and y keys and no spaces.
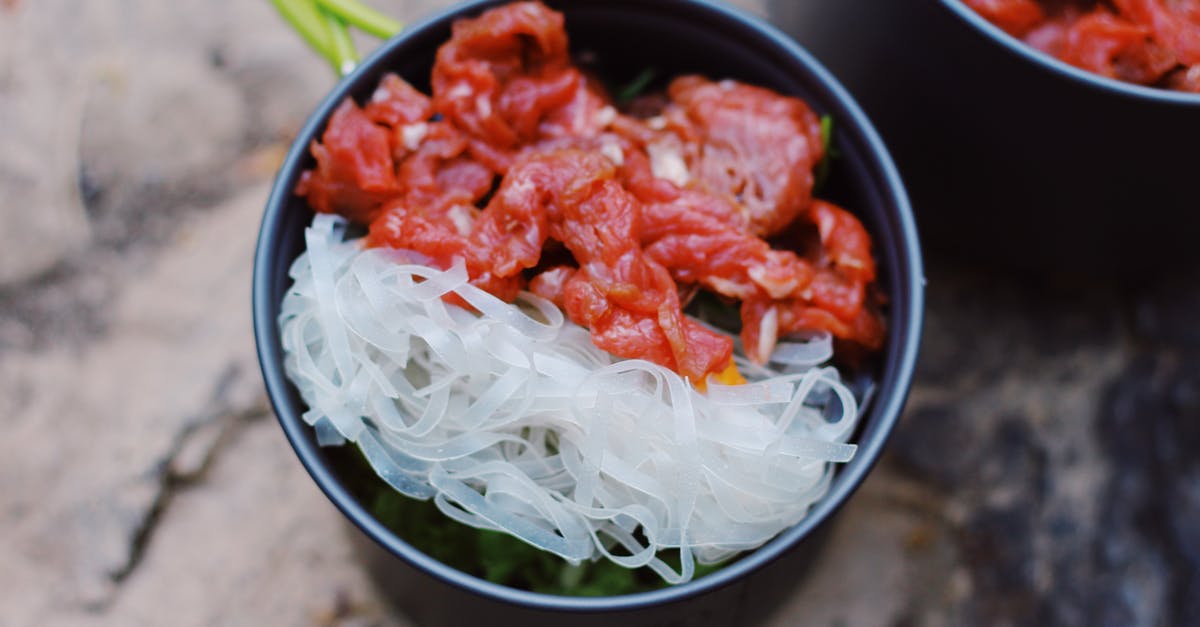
{"x":521,"y":166}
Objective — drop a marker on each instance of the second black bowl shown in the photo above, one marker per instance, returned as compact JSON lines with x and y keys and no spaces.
{"x":1012,"y":157}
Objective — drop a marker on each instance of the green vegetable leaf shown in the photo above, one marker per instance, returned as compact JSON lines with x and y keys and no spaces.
{"x":635,"y":87}
{"x":605,"y":578}
{"x":491,"y":555}
{"x":827,"y":135}
{"x":829,"y":150}
{"x":713,"y":309}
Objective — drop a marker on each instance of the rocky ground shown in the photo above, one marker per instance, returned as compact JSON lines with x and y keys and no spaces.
{"x":1043,"y":472}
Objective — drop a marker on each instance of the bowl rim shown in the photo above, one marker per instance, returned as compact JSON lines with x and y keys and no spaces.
{"x":886,"y":408}
{"x":1059,"y":67}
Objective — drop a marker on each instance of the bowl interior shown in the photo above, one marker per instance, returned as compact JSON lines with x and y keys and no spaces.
{"x":672,"y":37}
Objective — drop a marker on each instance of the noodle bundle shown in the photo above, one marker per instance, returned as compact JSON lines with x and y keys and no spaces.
{"x":511,"y":419}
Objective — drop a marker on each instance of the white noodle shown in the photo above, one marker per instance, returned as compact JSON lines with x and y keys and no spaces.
{"x":511,"y":419}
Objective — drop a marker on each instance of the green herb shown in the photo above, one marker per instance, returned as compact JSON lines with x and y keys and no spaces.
{"x":826,"y":134}
{"x":363,"y":17}
{"x":713,"y":309}
{"x":635,"y":87}
{"x":323,"y":24}
{"x":343,"y":55}
{"x":306,"y":19}
{"x":494,"y":556}
{"x":828,"y":150}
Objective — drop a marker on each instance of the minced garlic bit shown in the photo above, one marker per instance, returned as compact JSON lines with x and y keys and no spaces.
{"x":666,"y":161}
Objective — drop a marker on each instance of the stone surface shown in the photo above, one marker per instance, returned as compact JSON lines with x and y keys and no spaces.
{"x":113,"y":413}
{"x":152,"y":112}
{"x":40,"y":105}
{"x":263,"y":539}
{"x":1044,"y":472}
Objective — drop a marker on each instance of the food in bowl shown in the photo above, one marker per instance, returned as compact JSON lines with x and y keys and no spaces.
{"x":1147,"y":42}
{"x":508,"y":337}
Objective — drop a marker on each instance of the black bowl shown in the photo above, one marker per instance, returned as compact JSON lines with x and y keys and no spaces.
{"x":674,"y":36}
{"x":1012,"y":157}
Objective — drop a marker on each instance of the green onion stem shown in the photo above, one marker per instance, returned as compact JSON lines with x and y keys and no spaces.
{"x":344,"y":56}
{"x":826,"y":133}
{"x":306,"y":19}
{"x":357,"y":14}
{"x":829,"y":153}
{"x":635,"y":87}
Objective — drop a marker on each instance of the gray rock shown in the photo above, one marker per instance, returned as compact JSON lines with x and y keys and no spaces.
{"x":998,"y":547}
{"x":159,"y":130}
{"x":937,"y":444}
{"x":887,"y":545}
{"x":99,"y":426}
{"x":39,"y":201}
{"x":1165,"y":310}
{"x":255,"y":544}
{"x":1184,"y":511}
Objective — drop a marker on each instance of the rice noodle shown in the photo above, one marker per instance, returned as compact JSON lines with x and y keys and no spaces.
{"x":512,"y":420}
